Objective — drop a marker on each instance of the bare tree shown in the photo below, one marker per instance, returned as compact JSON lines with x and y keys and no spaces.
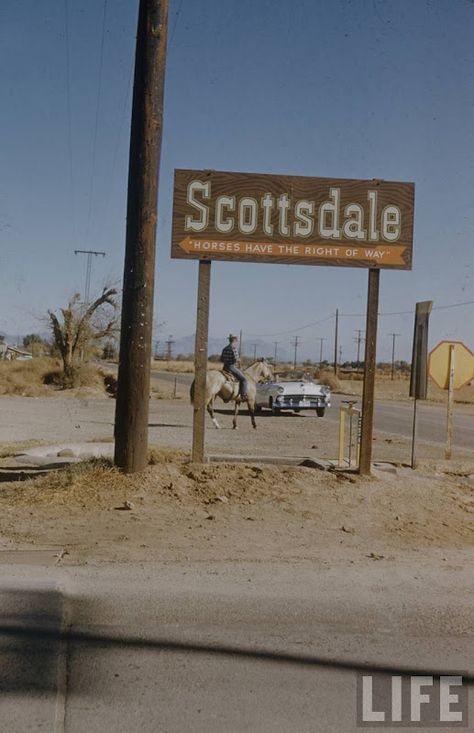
{"x":81,"y":326}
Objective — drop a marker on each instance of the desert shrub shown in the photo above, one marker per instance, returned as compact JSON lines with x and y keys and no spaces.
{"x":329,"y":379}
{"x":25,"y":378}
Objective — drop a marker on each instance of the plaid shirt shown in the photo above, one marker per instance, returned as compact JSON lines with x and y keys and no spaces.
{"x":229,"y":355}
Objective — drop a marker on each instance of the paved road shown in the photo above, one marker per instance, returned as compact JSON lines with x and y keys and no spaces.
{"x":222,"y":647}
{"x":392,"y":417}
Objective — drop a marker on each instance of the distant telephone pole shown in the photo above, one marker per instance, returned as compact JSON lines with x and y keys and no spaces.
{"x":320,"y":339}
{"x":254,"y":351}
{"x":241,"y":353}
{"x":295,"y":344}
{"x":394,"y":336}
{"x":90,"y":254}
{"x":336,"y":329}
{"x":359,"y":340}
{"x":169,"y":348}
{"x":275,"y":343}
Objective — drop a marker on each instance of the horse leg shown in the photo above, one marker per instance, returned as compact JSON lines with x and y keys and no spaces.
{"x":251,"y":406}
{"x":236,"y":412}
{"x":210,"y":409}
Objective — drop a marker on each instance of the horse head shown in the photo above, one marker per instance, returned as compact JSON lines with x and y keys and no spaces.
{"x":261,"y":371}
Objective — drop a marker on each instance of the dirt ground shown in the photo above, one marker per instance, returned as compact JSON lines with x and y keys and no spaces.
{"x":245,"y":511}
{"x":181,"y":511}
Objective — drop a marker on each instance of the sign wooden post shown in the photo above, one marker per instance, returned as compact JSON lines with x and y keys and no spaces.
{"x":368,"y":393}
{"x":133,"y":391}
{"x":200,"y":360}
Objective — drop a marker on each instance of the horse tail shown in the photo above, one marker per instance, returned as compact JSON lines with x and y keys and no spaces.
{"x":191,"y":393}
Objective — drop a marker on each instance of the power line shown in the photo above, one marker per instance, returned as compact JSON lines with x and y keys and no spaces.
{"x":410,"y":312}
{"x":96,"y":123}
{"x":68,"y":108}
{"x":90,"y":253}
{"x":298,"y":328}
{"x":176,"y":18}
{"x":358,"y":315}
{"x":123,"y":117}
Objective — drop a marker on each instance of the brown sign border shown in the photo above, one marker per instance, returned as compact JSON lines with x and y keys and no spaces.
{"x":238,"y":184}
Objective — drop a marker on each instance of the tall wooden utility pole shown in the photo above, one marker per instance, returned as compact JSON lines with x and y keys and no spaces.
{"x":336,"y":329}
{"x":368,"y":394}
{"x":321,"y":340}
{"x":359,"y":340}
{"x":90,"y":254}
{"x":295,"y":344}
{"x":133,"y":392}
{"x":394,"y":336}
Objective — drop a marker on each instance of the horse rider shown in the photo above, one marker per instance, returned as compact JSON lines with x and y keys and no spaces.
{"x":231,"y":360}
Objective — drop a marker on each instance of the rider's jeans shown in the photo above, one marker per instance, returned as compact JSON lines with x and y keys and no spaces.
{"x":240,"y":376}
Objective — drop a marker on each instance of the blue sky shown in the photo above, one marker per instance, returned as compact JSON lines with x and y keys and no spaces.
{"x":342,"y":88}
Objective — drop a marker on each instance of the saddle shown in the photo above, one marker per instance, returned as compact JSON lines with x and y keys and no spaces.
{"x":232,"y":383}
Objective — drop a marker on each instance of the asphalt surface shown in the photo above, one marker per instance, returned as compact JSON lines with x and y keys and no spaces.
{"x":222,"y":647}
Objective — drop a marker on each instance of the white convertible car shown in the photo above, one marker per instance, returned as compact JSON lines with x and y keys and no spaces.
{"x":293,"y":395}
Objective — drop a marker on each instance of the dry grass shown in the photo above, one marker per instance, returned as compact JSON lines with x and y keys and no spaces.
{"x":159,"y":455}
{"x":42,"y":377}
{"x":329,"y":379}
{"x":399,"y":388}
{"x":91,"y":483}
{"x":26,"y":378}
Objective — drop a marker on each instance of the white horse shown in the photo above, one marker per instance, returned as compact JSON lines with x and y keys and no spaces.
{"x":220,"y":385}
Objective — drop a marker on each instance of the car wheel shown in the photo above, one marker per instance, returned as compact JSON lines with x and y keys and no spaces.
{"x":320,"y":411}
{"x":258,"y":409}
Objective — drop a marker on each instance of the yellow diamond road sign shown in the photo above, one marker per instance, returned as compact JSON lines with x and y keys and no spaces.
{"x":463,"y":364}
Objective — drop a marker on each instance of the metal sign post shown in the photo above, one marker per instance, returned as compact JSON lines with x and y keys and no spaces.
{"x":449,"y":421}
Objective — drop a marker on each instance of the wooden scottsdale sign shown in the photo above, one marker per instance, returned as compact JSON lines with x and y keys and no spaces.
{"x":252,"y":217}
